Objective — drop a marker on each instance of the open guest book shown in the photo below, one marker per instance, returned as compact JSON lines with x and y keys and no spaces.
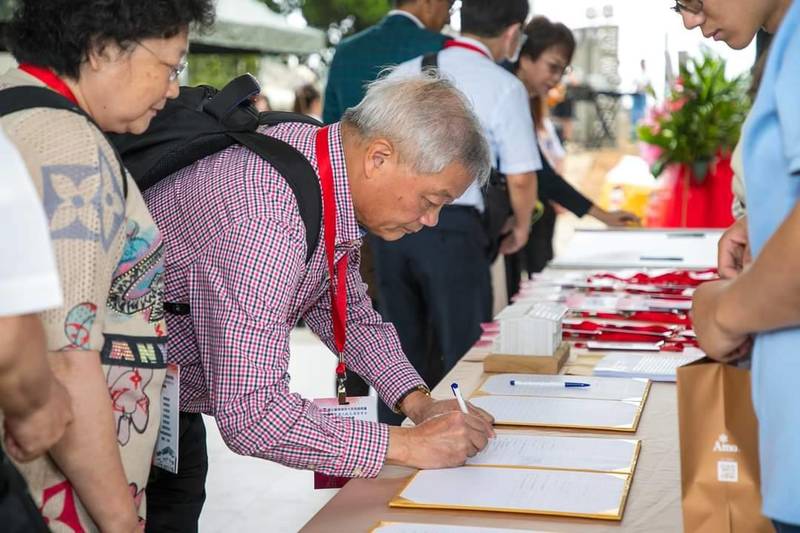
{"x":533,"y":474}
{"x":611,"y":404}
{"x":597,"y":454}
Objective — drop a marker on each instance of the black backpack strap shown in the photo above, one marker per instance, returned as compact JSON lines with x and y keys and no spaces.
{"x":430,"y":61}
{"x":234,"y":94}
{"x":176,"y":308}
{"x":301,"y":178}
{"x":273,"y":118}
{"x":298,"y":173}
{"x":16,"y":99}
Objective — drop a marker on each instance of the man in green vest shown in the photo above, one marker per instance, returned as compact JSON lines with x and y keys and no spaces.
{"x":409,"y":30}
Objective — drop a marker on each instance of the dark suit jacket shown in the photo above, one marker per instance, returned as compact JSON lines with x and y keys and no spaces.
{"x":360,"y":58}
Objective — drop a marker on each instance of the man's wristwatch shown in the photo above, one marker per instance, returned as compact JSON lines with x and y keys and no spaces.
{"x":421,"y":388}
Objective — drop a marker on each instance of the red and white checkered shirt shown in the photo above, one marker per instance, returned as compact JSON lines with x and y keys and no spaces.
{"x":236,"y":253}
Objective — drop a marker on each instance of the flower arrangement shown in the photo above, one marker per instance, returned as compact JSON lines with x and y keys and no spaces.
{"x":701,"y":118}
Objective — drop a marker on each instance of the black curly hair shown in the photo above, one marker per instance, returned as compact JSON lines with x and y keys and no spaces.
{"x":544,"y":34}
{"x":59,"y":34}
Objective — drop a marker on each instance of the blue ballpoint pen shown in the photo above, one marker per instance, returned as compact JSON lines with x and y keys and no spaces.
{"x":460,"y":399}
{"x":568,"y":384}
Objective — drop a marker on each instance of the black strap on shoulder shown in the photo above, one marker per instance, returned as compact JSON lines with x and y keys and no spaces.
{"x":298,"y":174}
{"x":16,"y":99}
{"x":430,"y":61}
{"x":222,"y":104}
{"x":176,"y":308}
{"x":273,"y":118}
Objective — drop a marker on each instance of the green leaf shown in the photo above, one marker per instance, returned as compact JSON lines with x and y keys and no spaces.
{"x":658,"y":167}
{"x":712,"y":110}
{"x":324,"y":13}
{"x":700,"y":170}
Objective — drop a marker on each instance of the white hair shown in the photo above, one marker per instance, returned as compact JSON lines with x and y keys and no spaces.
{"x":428,"y":119}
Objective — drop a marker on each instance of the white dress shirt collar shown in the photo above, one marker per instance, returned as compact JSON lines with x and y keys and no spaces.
{"x":408,"y":15}
{"x":476,"y":43}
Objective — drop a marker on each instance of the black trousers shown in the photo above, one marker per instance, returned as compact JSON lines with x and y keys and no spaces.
{"x":536,"y":253}
{"x":18,"y":512}
{"x":174,"y":501}
{"x":436,"y":289}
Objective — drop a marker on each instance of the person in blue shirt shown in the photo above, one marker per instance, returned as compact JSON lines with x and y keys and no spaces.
{"x":760,"y":305}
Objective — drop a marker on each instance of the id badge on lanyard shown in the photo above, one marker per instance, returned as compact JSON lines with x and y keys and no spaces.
{"x":358,"y":408}
{"x":363,"y":408}
{"x":166,"y":453}
{"x":337,"y":270}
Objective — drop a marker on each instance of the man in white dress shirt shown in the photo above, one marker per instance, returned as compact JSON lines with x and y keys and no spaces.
{"x":435,"y":286}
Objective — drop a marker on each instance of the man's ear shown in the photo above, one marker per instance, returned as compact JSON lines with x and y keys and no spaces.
{"x":510,"y":36}
{"x":513,"y":29}
{"x":380,"y":157}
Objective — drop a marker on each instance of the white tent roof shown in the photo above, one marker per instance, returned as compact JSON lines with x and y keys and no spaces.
{"x":251,"y":25}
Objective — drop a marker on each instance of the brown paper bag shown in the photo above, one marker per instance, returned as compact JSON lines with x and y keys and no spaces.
{"x":719,"y":450}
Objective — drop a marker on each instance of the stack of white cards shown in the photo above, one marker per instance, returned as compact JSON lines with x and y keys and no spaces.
{"x":660,"y":367}
{"x":530,"y":328}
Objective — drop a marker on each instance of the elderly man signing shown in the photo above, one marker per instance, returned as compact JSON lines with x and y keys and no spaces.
{"x":236,"y":253}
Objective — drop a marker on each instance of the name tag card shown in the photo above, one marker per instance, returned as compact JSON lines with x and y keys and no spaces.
{"x":166,"y":456}
{"x":357,"y":408}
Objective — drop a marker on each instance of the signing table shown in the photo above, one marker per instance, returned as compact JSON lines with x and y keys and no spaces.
{"x":654,"y":502}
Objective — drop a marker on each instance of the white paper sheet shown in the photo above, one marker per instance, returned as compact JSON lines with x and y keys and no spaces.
{"x":520,"y":490}
{"x":625,"y":346}
{"x":615,"y":302}
{"x":660,"y":367}
{"x":568,"y":453}
{"x":600,"y":389}
{"x":560,"y":412}
{"x":397,"y":527}
{"x":667,"y":304}
{"x":640,"y":248}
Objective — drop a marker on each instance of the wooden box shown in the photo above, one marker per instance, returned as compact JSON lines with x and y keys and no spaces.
{"x":528,"y":364}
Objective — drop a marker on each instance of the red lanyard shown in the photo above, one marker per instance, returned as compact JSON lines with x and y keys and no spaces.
{"x":49,"y":78}
{"x":337,"y":271}
{"x":452,"y":43}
